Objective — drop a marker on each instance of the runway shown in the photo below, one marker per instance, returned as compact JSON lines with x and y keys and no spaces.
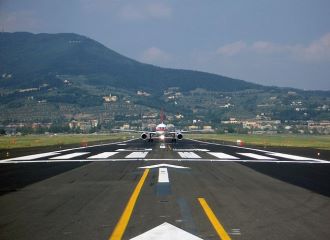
{"x":184,"y":190}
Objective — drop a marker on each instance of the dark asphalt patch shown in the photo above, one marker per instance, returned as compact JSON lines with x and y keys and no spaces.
{"x":314,"y":177}
{"x":163,"y":189}
{"x":16,"y":176}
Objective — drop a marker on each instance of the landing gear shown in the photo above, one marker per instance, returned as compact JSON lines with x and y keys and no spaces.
{"x":150,"y":138}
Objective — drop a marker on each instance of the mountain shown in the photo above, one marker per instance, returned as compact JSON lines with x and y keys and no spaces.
{"x":31,"y":58}
{"x":59,"y":77}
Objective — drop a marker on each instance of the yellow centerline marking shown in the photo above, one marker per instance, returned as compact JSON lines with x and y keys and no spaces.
{"x":213,"y":219}
{"x":118,"y":232}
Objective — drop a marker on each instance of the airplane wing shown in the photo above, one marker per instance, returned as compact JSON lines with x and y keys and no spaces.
{"x":125,"y":130}
{"x":133,"y":131}
{"x":191,"y":131}
{"x":145,"y":135}
{"x":178,"y":134}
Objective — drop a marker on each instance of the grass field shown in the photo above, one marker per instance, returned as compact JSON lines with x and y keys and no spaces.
{"x":312,"y":141}
{"x":12,"y":142}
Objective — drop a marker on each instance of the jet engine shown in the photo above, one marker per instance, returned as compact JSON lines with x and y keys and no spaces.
{"x":179,"y":135}
{"x":144,"y":136}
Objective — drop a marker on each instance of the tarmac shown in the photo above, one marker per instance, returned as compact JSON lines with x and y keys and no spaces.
{"x":184,"y":190}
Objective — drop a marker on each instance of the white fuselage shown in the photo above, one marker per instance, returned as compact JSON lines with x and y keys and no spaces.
{"x":162,"y":132}
{"x":161,"y":129}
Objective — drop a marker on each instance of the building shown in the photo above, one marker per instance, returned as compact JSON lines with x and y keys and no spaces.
{"x":110,"y":98}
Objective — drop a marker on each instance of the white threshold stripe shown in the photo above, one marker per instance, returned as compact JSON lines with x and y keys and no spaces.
{"x":188,"y":155}
{"x":190,"y":150}
{"x":256,"y":156}
{"x":92,"y":146}
{"x":70,"y":155}
{"x":102,"y":155}
{"x":134,"y":150}
{"x":168,"y":160}
{"x":258,"y":150}
{"x":163,"y":175}
{"x":34,"y":156}
{"x":227,"y":145}
{"x":221,"y":155}
{"x":293,"y":157}
{"x":137,"y":155}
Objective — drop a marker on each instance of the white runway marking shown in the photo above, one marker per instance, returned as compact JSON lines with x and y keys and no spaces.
{"x":293,"y":157}
{"x":169,"y":160}
{"x":222,"y":155}
{"x":70,"y":155}
{"x":288,"y":156}
{"x":134,"y":150}
{"x":188,"y":155}
{"x":33,"y":157}
{"x":226,"y":145}
{"x":164,"y":165}
{"x":41,"y":155}
{"x":166,"y":231}
{"x":102,"y":155}
{"x":163,"y":175}
{"x":137,"y":155}
{"x":93,"y":146}
{"x":256,"y":156}
{"x":191,"y":150}
{"x":235,"y":231}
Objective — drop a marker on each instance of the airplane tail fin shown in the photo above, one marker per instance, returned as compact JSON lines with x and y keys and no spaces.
{"x":162,"y":116}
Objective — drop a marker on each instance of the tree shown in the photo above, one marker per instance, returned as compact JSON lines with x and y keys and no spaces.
{"x":2,"y":131}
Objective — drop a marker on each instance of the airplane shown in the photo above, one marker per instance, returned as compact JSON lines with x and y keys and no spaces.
{"x":161,"y":132}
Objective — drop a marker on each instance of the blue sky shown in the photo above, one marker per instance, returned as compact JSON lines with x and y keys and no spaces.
{"x":282,"y":42}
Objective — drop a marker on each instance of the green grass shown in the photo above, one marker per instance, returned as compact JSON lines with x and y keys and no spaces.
{"x":280,"y":140}
{"x":312,"y":141}
{"x":12,"y":142}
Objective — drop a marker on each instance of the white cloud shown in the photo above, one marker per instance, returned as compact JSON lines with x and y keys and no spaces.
{"x":266,"y":47}
{"x":23,"y":20}
{"x":155,"y":55}
{"x":317,"y":50}
{"x":155,"y":10}
{"x":232,"y":48}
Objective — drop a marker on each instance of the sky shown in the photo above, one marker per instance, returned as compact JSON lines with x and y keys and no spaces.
{"x":271,"y":42}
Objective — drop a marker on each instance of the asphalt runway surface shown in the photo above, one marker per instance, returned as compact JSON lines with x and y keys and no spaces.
{"x":184,"y":190}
